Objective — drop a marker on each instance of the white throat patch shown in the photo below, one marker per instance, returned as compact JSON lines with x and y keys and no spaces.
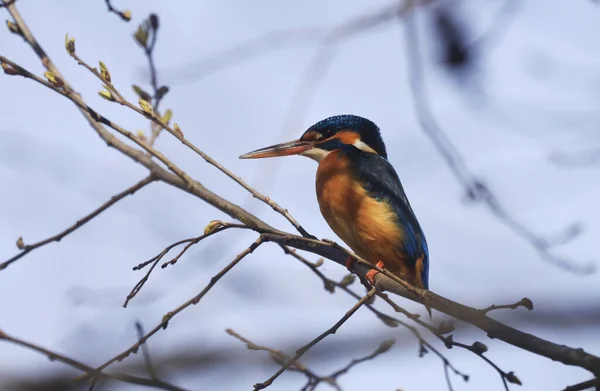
{"x":316,"y":154}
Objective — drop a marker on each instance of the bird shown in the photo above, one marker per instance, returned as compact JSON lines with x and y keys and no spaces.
{"x":360,"y":195}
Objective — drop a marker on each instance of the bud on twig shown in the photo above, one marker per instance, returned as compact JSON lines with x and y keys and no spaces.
{"x":104,"y":72}
{"x":167,"y":117}
{"x":106,"y":94}
{"x":177,"y":130}
{"x":13,"y":28}
{"x":55,"y":80}
{"x":146,"y":107}
{"x":70,"y":44}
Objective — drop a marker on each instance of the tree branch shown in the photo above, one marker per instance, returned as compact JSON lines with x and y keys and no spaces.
{"x":332,"y":330}
{"x":167,"y":317}
{"x":52,"y":356}
{"x":27,"y":248}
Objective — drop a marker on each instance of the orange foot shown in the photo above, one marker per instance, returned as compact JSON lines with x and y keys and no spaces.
{"x":371,"y":273}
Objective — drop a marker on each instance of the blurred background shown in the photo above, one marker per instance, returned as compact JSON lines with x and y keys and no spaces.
{"x":514,"y":85}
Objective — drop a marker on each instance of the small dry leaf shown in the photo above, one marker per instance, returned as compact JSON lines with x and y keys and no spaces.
{"x":126,"y":15}
{"x":141,"y":36}
{"x":388,"y":321}
{"x":319,"y":262}
{"x":20,"y":243}
{"x":145,"y":105}
{"x":167,"y":117}
{"x":385,"y":346}
{"x":70,"y":44}
{"x":212,"y":226}
{"x":141,"y":93}
{"x":512,"y":378}
{"x":348,"y":280}
{"x":13,"y":28}
{"x":177,"y":130}
{"x":104,"y":72}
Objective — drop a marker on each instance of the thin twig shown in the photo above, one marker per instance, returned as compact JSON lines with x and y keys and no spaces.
{"x":152,"y":116}
{"x":146,"y":351}
{"x":124,"y":15}
{"x":27,"y":248}
{"x":156,"y":259}
{"x":524,"y":302}
{"x":305,"y":348}
{"x":53,"y":356}
{"x":167,"y":317}
{"x":101,"y":119}
{"x":313,"y":380}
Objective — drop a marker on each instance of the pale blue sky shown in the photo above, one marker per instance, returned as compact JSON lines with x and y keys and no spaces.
{"x":541,"y":83}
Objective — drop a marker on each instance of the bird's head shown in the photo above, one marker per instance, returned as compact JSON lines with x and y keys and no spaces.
{"x":328,"y":135}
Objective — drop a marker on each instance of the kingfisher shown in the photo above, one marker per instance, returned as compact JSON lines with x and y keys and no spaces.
{"x":360,"y":195}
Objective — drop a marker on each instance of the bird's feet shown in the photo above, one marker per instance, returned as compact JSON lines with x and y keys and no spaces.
{"x":371,"y":273}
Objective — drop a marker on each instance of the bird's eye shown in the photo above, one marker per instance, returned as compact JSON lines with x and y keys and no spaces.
{"x":312,"y":136}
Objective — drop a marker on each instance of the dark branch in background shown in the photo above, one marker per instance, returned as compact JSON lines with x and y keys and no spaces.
{"x":124,"y":15}
{"x":146,"y":351}
{"x":52,"y":356}
{"x":146,"y":36}
{"x":476,"y":189}
{"x":27,"y":248}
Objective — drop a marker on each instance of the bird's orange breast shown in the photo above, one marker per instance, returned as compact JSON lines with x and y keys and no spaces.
{"x":365,"y":224}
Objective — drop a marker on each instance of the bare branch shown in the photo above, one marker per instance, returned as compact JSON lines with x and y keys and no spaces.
{"x":124,"y":15}
{"x":52,"y":356}
{"x":146,"y":351}
{"x":27,"y":248}
{"x":524,"y":302}
{"x":167,"y":317}
{"x":117,"y":97}
{"x":493,"y":328}
{"x":195,"y":188}
{"x":305,"y":348}
{"x":155,"y":260}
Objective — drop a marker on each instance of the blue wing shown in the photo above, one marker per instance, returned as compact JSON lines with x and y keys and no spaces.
{"x":381,"y":181}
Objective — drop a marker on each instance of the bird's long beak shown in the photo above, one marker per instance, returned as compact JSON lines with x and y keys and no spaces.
{"x":283,"y":149}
